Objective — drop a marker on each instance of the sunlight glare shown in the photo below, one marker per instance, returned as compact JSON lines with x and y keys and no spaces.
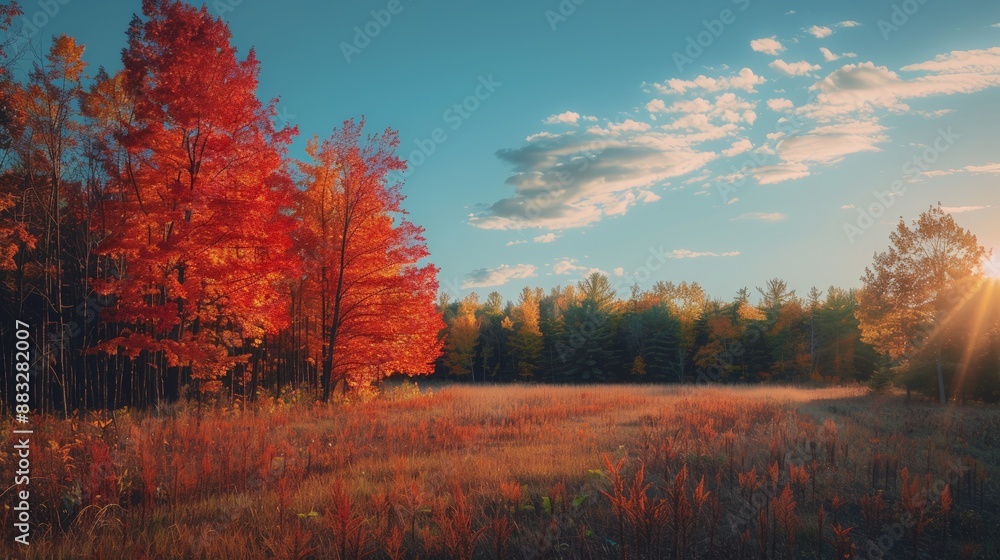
{"x":991,"y":266}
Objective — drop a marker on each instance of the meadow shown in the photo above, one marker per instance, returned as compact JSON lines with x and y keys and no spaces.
{"x":616,"y":471}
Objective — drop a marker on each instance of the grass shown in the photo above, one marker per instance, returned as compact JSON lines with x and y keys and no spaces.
{"x":624,"y":472}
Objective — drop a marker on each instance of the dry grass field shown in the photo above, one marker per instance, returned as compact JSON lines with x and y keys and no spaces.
{"x":624,"y":472}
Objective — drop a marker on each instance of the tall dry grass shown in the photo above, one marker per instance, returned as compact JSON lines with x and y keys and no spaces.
{"x":624,"y":472}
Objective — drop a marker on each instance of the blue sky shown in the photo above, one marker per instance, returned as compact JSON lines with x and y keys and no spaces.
{"x":722,"y":142}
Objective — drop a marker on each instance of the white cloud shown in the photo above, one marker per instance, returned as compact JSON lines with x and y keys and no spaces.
{"x":801,"y":68}
{"x":770,"y":174}
{"x":767,"y":45}
{"x":963,"y":209}
{"x":863,"y":87}
{"x":569,"y":117}
{"x":714,"y":119}
{"x":779,"y":104}
{"x":828,"y":55}
{"x":740,"y":146}
{"x":989,"y":168}
{"x":992,"y":168}
{"x":733,"y":200}
{"x":771,"y":217}
{"x":687,"y":254}
{"x":569,"y":266}
{"x":829,"y":144}
{"x":488,"y":277}
{"x":647,"y":196}
{"x":656,"y":106}
{"x":565,"y":182}
{"x":545,"y":238}
{"x":745,"y":80}
{"x":619,"y":271}
{"x":516,"y":242}
{"x":540,"y":136}
{"x":986,"y":61}
{"x":617,"y":129}
{"x":847,"y":207}
{"x":848,"y":23}
{"x":819,"y":32}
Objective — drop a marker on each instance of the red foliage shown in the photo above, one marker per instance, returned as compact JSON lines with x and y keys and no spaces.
{"x":200,"y":232}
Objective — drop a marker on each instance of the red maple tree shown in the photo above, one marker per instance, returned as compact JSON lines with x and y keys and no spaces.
{"x":361,"y":261}
{"x":202,"y":229}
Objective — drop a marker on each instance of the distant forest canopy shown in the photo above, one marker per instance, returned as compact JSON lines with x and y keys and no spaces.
{"x":926,"y":319}
{"x":666,"y":333}
{"x":156,"y":238}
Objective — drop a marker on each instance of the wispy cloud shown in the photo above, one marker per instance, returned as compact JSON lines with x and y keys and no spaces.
{"x":761,"y":217}
{"x":569,"y":266}
{"x":989,"y":169}
{"x":830,"y":56}
{"x":574,"y":180}
{"x":577,"y":178}
{"x":686,"y":254}
{"x":865,"y":87}
{"x":569,"y":117}
{"x":964,"y":209}
{"x":801,"y":68}
{"x":745,"y":80}
{"x":489,"y":277}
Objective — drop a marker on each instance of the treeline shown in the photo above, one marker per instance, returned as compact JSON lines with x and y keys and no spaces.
{"x":666,"y":333}
{"x":926,"y":318}
{"x":157,"y":239}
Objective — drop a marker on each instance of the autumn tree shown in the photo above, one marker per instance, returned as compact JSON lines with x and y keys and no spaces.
{"x":526,"y":342}
{"x":378,"y":301}
{"x":686,"y":301}
{"x":42,"y":206}
{"x":462,"y":337}
{"x":911,"y":291}
{"x":200,"y":220}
